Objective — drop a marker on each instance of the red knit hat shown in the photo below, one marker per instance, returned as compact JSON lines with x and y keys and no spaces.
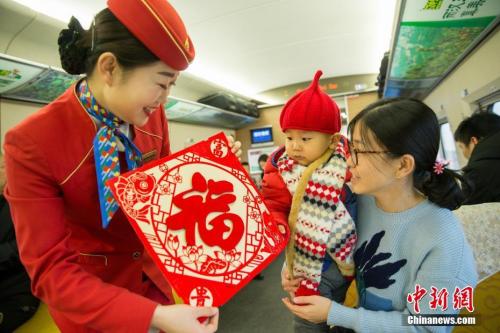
{"x":311,"y":110}
{"x":158,"y":26}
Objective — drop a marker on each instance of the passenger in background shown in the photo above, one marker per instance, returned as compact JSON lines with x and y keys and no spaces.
{"x":84,"y":258}
{"x":262,"y":164}
{"x":17,"y":303}
{"x":305,"y":185}
{"x":479,"y":139}
{"x":409,"y":242}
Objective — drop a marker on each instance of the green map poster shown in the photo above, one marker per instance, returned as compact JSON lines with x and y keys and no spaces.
{"x":427,"y":49}
{"x":45,"y":88}
{"x":432,"y":36}
{"x":13,"y":74}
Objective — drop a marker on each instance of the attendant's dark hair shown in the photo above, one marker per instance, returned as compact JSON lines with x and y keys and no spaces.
{"x":479,"y":125}
{"x":79,"y":49}
{"x":408,"y":126}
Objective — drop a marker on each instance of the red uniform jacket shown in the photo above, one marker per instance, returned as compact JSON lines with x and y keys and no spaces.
{"x":90,"y":277}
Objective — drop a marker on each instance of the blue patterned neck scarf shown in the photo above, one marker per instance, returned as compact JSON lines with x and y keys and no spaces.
{"x":107,"y":163}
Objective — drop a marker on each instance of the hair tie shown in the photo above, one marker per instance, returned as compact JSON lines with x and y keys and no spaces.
{"x":439,"y":166}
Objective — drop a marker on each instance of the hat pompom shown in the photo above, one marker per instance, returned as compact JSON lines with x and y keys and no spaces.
{"x":315,"y":81}
{"x":311,"y":110}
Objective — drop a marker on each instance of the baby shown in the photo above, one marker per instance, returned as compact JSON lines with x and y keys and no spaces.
{"x":305,"y":184}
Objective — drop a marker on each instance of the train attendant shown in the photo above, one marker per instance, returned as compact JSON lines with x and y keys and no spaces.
{"x":85,"y":261}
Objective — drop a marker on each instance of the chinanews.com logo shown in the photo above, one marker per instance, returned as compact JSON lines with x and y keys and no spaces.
{"x":462,"y":298}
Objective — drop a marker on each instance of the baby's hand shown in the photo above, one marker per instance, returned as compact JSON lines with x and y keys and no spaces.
{"x":288,"y":283}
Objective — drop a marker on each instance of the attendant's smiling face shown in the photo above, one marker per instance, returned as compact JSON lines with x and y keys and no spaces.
{"x":133,"y":93}
{"x":139,"y":92}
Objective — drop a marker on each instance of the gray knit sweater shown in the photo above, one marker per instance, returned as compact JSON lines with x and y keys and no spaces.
{"x":423,"y":245}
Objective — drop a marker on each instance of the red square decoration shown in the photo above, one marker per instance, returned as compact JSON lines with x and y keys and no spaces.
{"x":201,"y":219}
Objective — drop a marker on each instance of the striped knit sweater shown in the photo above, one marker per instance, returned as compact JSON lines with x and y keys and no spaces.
{"x":319,"y":222}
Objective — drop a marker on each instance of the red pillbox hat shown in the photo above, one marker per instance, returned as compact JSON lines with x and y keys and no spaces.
{"x":158,"y":26}
{"x":311,"y":110}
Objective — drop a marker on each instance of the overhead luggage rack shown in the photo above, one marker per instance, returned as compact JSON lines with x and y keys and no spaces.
{"x":181,"y":110}
{"x":230,"y":102}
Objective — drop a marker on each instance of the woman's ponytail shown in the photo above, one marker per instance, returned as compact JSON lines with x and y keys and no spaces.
{"x":446,"y":189}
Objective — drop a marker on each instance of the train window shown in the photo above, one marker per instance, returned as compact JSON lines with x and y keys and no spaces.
{"x":495,"y":108}
{"x":447,"y":148}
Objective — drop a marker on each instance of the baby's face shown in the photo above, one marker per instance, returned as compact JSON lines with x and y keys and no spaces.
{"x":307,"y":146}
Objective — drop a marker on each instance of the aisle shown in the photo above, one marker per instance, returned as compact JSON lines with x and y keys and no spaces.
{"x":258,"y":307}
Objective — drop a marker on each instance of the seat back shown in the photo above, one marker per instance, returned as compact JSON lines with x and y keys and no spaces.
{"x":481,"y":225}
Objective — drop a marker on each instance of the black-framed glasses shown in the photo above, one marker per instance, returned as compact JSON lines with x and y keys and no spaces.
{"x":354,"y":153}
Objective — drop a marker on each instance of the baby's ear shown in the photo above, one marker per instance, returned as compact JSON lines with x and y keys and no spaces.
{"x":335,"y":140}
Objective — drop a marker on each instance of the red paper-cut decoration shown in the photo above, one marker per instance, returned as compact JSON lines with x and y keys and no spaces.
{"x":202,"y":221}
{"x":188,"y":218}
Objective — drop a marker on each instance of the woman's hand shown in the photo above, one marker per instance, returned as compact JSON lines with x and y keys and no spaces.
{"x":311,"y":308}
{"x":234,"y":145}
{"x":290,"y":285}
{"x":182,"y":318}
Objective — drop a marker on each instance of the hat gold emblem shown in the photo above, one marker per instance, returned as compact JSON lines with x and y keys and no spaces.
{"x":186,"y":44}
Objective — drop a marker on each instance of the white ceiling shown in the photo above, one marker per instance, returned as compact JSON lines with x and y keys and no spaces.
{"x":259,"y":45}
{"x":251,"y":46}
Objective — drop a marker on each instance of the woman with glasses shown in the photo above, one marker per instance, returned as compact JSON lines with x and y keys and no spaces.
{"x":411,"y":257}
